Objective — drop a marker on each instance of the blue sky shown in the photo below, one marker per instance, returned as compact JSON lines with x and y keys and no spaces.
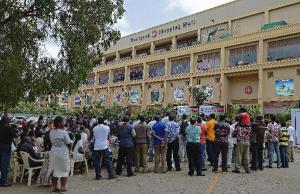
{"x":143,"y":14}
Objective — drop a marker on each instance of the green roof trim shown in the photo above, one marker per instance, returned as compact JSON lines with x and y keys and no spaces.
{"x":273,"y":25}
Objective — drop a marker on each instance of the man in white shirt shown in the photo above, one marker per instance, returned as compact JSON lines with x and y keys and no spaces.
{"x":93,"y":121}
{"x":291,"y":132}
{"x":101,"y":135}
{"x":151,"y":147}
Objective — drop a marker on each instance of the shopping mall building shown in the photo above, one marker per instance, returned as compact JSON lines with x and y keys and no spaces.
{"x":246,"y":52}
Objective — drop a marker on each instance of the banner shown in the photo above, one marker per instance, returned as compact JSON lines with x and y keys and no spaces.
{"x":77,"y":101}
{"x":102,"y":99}
{"x":154,"y":96}
{"x":135,"y":97}
{"x":117,"y":97}
{"x":179,"y":94}
{"x":183,"y":110}
{"x":284,"y":87}
{"x":209,"y":109}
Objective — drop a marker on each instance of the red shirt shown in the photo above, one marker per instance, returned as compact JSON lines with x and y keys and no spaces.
{"x":203,"y":132}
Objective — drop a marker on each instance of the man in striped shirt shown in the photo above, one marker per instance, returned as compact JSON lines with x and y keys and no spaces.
{"x":283,"y":145}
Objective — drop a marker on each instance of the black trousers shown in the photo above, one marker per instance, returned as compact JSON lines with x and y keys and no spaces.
{"x":125,"y":154}
{"x":173,"y":147}
{"x":260,"y":155}
{"x":223,"y":149}
{"x":193,"y":154}
{"x":254,"y":159}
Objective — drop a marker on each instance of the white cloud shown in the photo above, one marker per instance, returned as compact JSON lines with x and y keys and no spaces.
{"x":193,"y":6}
{"x":124,"y":26}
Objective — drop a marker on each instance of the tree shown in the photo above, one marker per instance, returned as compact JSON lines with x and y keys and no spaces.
{"x":77,"y":26}
{"x":201,"y":94}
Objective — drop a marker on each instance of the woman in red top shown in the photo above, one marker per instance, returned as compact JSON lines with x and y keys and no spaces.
{"x":203,"y":135}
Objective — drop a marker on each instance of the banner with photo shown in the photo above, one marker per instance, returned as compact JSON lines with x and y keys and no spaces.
{"x":179,"y":94}
{"x":117,"y":97}
{"x":77,"y":101}
{"x":135,"y":97}
{"x":102,"y":99}
{"x":154,"y":96}
{"x":285,"y":87}
{"x":209,"y":89}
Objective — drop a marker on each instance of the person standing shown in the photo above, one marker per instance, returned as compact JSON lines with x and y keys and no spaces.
{"x":242,"y":133}
{"x":101,"y":135}
{"x":210,"y":149}
{"x":173,"y":143}
{"x":126,"y":147}
{"x":273,"y":141}
{"x":283,"y":145}
{"x":59,"y":156}
{"x":291,"y":131}
{"x":259,"y":128}
{"x":231,"y":141}
{"x":160,"y":133}
{"x":203,"y":135}
{"x":193,"y":133}
{"x":182,"y":138}
{"x":142,"y":136}
{"x":222,"y":130}
{"x":151,"y":146}
{"x":7,"y":134}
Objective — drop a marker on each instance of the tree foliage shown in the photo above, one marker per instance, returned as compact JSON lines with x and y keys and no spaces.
{"x":76,"y":25}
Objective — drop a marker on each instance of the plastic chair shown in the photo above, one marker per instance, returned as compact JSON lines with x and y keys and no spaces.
{"x":25,"y":157}
{"x":73,"y":162}
{"x":16,"y":167}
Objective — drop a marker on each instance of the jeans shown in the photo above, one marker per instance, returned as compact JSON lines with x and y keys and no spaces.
{"x":5,"y":161}
{"x":260,"y":155}
{"x":151,"y":149}
{"x":233,"y":157}
{"x":223,"y":149}
{"x":210,"y":149}
{"x":160,"y":158}
{"x":254,"y":160}
{"x":202,"y":156}
{"x":125,"y":153}
{"x":98,"y":154}
{"x":182,"y":148}
{"x":193,"y":157}
{"x":274,"y":146}
{"x":173,"y":148}
{"x":284,"y":158}
{"x":229,"y":155}
{"x":141,"y":156}
{"x":242,"y":156}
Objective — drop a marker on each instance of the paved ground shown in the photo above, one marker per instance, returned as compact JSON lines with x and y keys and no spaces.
{"x":281,"y":181}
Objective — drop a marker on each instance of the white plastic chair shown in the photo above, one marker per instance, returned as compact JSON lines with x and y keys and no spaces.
{"x":73,"y":162}
{"x":25,"y":157}
{"x":16,"y":167}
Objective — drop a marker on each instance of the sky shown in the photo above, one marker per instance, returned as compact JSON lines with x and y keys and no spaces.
{"x":143,"y":14}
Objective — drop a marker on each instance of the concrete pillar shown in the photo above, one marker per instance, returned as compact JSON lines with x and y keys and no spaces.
{"x":103,"y":59}
{"x":152,"y":48}
{"x":224,"y":90}
{"x":110,"y":77}
{"x":109,"y":96}
{"x":199,"y":35}
{"x":174,"y":42}
{"x":261,"y":89}
{"x":229,"y":27}
{"x":167,"y":67}
{"x":117,"y":55}
{"x":260,"y":51}
{"x":192,"y":63}
{"x":133,"y":52}
{"x":223,"y":60}
{"x":144,"y":95}
{"x":126,"y":74}
{"x":145,"y":71}
{"x":166,"y":90}
{"x":267,"y":17}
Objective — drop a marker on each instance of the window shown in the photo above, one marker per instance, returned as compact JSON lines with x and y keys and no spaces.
{"x":136,"y":73}
{"x":103,"y":79}
{"x":90,"y":81}
{"x":208,"y":61}
{"x":119,"y":76}
{"x":180,"y":66}
{"x":243,"y":56}
{"x":156,"y":70}
{"x":284,"y":49}
{"x":186,"y":42}
{"x":110,"y":60}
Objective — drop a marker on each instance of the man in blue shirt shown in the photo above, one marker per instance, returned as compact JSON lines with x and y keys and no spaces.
{"x":159,"y":132}
{"x":173,"y":143}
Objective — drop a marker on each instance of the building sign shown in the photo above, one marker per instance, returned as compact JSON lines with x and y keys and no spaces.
{"x":158,"y":32}
{"x":208,"y":109}
{"x":179,"y":94}
{"x":248,"y":90}
{"x":284,"y":87}
{"x":135,"y":97}
{"x":183,"y":110}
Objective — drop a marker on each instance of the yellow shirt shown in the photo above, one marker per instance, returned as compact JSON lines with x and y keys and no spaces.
{"x":210,"y":129}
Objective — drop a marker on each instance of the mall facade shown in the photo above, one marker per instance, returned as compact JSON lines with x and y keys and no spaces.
{"x":246,"y":52}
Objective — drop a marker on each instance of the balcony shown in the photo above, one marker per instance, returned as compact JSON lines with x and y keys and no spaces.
{"x":243,"y":55}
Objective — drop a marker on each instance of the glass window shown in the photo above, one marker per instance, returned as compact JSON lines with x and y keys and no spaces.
{"x":180,"y":66}
{"x":208,"y":61}
{"x":119,"y":76}
{"x":157,"y":70}
{"x":90,"y":81}
{"x":186,"y":42}
{"x":136,"y":73}
{"x":243,"y":56}
{"x":103,"y":79}
{"x":284,"y":49}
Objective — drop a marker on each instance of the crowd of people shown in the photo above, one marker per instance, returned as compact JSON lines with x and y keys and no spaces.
{"x":166,"y":139}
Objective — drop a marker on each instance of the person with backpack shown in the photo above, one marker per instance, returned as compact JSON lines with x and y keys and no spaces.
{"x":182,"y":138}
